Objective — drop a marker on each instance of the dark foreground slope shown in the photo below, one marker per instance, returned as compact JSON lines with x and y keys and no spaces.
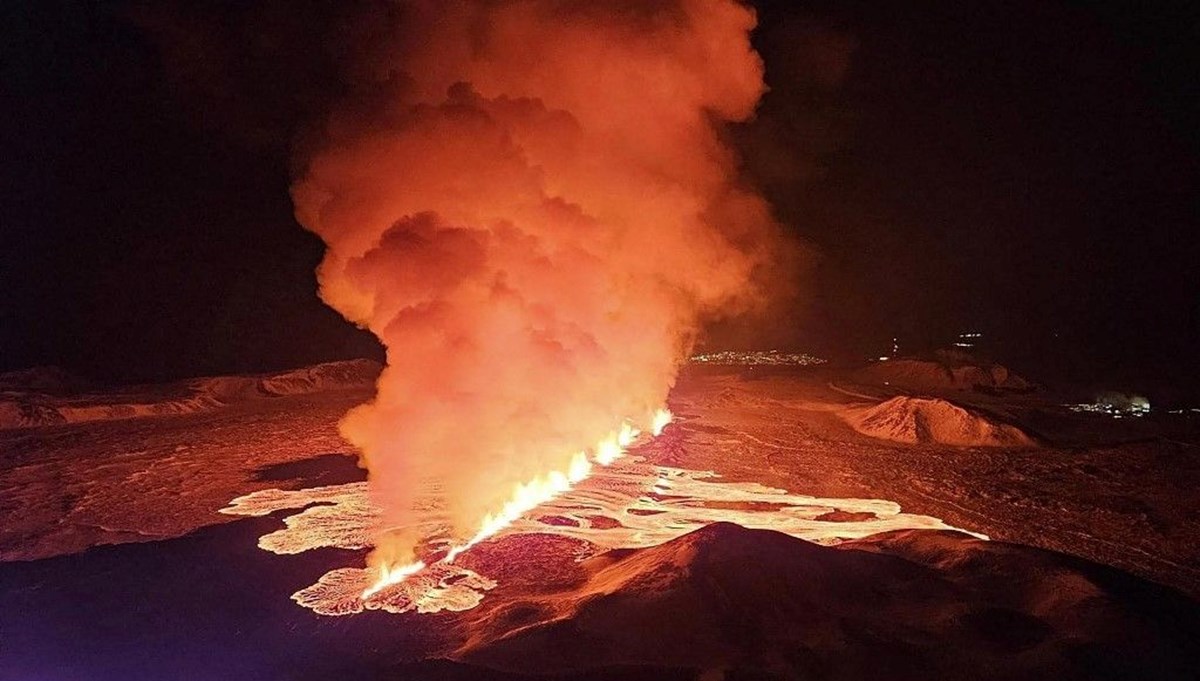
{"x":902,"y":605}
{"x":755,"y":604}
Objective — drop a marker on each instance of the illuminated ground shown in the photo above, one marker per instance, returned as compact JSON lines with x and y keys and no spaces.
{"x":184,"y":581}
{"x":631,"y":504}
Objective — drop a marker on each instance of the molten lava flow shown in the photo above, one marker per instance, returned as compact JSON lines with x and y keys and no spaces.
{"x":528,"y":496}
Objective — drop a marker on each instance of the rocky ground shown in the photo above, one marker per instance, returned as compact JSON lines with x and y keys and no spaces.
{"x":119,"y":566}
{"x":1124,"y":497}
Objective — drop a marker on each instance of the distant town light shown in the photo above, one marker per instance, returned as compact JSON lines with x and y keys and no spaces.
{"x":1116,"y":406}
{"x":757,"y":358}
{"x":968,"y":339}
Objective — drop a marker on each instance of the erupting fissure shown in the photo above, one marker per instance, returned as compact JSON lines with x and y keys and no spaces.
{"x":528,"y":496}
{"x":533,"y":206}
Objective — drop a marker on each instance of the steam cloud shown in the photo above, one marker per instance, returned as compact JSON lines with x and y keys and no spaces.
{"x":530,"y":204}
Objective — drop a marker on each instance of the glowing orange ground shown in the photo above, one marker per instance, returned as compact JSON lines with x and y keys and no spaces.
{"x":632,"y":504}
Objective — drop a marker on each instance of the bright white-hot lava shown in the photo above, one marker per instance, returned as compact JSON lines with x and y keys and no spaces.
{"x":662,"y":418}
{"x":392,"y":575}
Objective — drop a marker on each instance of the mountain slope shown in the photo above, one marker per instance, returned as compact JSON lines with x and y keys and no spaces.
{"x":902,"y":605}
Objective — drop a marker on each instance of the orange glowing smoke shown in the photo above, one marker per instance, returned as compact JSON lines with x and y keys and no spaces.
{"x":530,"y":204}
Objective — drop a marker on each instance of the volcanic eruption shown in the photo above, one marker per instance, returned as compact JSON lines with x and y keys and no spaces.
{"x":532,"y":207}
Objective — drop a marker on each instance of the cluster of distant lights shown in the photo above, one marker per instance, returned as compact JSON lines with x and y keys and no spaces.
{"x":967,"y":340}
{"x":1134,"y":408}
{"x":757,"y":358}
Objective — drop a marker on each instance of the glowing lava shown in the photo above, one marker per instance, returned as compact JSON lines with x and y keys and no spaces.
{"x":528,"y":496}
{"x":393,"y":575}
{"x":662,"y":417}
{"x":630,"y":505}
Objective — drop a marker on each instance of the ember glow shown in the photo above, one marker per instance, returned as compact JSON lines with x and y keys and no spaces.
{"x":530,"y":204}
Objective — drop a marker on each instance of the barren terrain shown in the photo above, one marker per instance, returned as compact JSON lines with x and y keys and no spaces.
{"x":118,"y":564}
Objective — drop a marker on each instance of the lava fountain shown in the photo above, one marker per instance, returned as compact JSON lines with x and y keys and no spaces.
{"x":531,"y":205}
{"x":529,"y":496}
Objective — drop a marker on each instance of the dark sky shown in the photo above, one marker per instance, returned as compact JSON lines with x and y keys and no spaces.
{"x":1026,"y":169}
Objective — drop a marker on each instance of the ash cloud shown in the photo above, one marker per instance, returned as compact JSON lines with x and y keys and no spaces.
{"x":531,"y":205}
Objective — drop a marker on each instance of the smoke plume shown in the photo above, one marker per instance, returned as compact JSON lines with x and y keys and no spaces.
{"x":530,"y":203}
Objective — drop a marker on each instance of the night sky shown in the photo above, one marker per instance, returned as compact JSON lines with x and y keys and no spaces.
{"x":1023,"y":169}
